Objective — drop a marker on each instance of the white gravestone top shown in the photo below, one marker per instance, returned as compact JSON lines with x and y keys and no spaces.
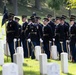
{"x":10,"y":69}
{"x":53,"y":69}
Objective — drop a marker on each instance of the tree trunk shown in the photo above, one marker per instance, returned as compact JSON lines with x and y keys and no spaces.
{"x":54,"y":12}
{"x":10,"y":1}
{"x":15,"y":5}
{"x":69,"y":11}
{"x":1,"y":3}
{"x":38,"y":4}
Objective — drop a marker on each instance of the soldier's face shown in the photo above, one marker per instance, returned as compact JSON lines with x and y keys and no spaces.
{"x":11,"y":18}
{"x":49,"y":19}
{"x":62,"y":21}
{"x":57,"y":21}
{"x":45,"y":22}
{"x":17,"y":21}
{"x":23,"y":19}
{"x":71,"y":22}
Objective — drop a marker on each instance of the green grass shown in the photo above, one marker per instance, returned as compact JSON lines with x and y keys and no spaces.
{"x":31,"y":67}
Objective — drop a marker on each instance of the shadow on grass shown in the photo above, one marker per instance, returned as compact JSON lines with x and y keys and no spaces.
{"x":0,"y":72}
{"x":31,"y":73}
{"x":69,"y":74}
{"x":24,"y":64}
{"x":72,"y":62}
{"x":7,"y":59}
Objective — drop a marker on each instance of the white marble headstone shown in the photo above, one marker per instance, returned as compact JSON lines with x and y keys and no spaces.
{"x":0,"y":35}
{"x":37,"y":52}
{"x":53,"y":69}
{"x":20,"y":50}
{"x":1,"y":53}
{"x":64,"y":62}
{"x":10,"y":69}
{"x":3,"y":31}
{"x":43,"y":64}
{"x":18,"y":60}
{"x":54,"y":52}
{"x":4,"y":40}
{"x":6,"y":50}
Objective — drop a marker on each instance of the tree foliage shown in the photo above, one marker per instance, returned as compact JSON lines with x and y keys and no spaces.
{"x":55,"y":4}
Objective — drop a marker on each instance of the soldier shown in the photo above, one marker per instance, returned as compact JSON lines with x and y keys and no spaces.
{"x":51,"y":23}
{"x":64,"y":33}
{"x":11,"y":31}
{"x":65,"y":19}
{"x":40,"y":25}
{"x":23,"y":37}
{"x":72,"y":30}
{"x":58,"y":35}
{"x":47,"y":36}
{"x":18,"y":36}
{"x":33,"y":30}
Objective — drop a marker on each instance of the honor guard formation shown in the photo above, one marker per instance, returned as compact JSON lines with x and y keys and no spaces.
{"x":45,"y":33}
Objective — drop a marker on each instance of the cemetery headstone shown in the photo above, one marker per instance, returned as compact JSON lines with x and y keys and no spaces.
{"x":20,"y":50}
{"x":37,"y":52}
{"x":18,"y":60}
{"x":43,"y":64}
{"x":1,"y":53}
{"x":10,"y":69}
{"x":53,"y":69}
{"x":64,"y":62}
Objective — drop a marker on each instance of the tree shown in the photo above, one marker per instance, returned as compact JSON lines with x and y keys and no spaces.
{"x":38,"y":4}
{"x":10,"y":1}
{"x":70,"y":4}
{"x":1,"y":3}
{"x":55,"y":4}
{"x":15,"y":5}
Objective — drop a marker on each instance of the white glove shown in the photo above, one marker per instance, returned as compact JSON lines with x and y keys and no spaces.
{"x":41,"y":40}
{"x":67,"y":41}
{"x":53,"y":39}
{"x":29,"y":40}
{"x":15,"y":40}
{"x":49,"y":41}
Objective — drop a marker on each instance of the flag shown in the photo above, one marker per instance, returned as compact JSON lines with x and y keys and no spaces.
{"x":5,"y":16}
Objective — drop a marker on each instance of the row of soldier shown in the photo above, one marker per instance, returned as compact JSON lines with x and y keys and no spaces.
{"x":34,"y":31}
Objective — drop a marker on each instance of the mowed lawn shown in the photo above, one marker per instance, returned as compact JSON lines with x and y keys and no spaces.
{"x":31,"y":67}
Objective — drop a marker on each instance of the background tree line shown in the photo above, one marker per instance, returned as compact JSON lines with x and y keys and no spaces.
{"x":54,"y":4}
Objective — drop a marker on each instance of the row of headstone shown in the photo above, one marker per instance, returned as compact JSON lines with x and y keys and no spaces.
{"x":10,"y":68}
{"x":19,"y":61}
{"x":53,"y":51}
{"x":48,"y":68}
{"x":53,"y":68}
{"x":15,"y":68}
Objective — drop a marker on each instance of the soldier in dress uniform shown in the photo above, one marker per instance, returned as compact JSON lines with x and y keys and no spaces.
{"x":58,"y":35}
{"x":28,"y":37}
{"x":65,"y":19}
{"x":11,"y":31}
{"x":64,"y":33}
{"x":47,"y":36}
{"x":23,"y":37}
{"x":51,"y":23}
{"x":18,"y":36}
{"x":72,"y":30}
{"x":33,"y":30}
{"x":40,"y":25}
